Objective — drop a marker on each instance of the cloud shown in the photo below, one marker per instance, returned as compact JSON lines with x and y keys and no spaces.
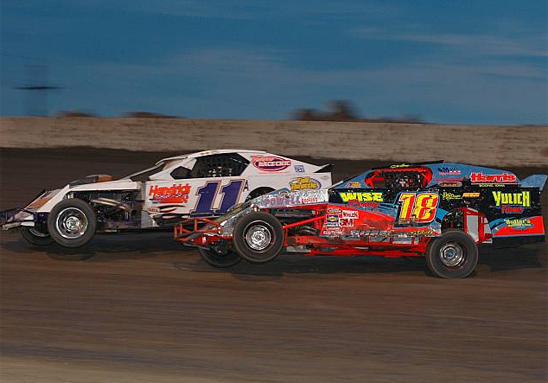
{"x":524,"y":45}
{"x":247,"y":82}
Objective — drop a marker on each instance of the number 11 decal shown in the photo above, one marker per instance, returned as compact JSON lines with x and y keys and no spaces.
{"x":207,"y":194}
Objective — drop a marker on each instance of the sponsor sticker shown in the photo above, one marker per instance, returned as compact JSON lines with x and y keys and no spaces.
{"x":518,"y":223}
{"x":449,"y":171}
{"x":304,"y":183}
{"x":270,"y":163}
{"x":332,"y":220}
{"x":450,"y":196}
{"x":397,"y":166}
{"x":299,"y":168}
{"x":485,"y":179}
{"x":450,"y":184}
{"x":512,"y":203}
{"x":352,"y":214}
{"x":471,"y":195}
{"x":354,"y":184}
{"x":177,"y":193}
{"x":515,"y":199}
{"x":361,"y":196}
{"x":346,"y":222}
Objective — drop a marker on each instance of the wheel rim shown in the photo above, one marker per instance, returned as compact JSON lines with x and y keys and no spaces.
{"x":258,"y":236}
{"x":452,"y":255}
{"x":71,"y":223}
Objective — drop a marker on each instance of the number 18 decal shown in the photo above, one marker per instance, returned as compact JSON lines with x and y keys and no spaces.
{"x":207,"y":194}
{"x":418,"y":207}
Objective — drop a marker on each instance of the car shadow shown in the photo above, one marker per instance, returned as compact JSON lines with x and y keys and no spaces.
{"x":526,"y":257}
{"x":102,"y":248}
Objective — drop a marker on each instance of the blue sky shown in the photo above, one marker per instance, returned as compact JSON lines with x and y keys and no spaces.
{"x":479,"y":62}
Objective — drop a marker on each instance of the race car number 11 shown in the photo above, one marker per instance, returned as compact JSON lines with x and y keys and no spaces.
{"x":418,"y":207}
{"x":207,"y":194}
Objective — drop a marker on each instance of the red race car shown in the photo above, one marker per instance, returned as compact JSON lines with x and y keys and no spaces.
{"x":440,"y":211}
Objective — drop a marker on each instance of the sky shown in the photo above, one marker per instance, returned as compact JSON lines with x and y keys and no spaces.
{"x":461,"y":62}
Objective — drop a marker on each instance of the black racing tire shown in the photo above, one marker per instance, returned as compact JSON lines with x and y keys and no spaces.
{"x":36,"y":237}
{"x":452,"y":255}
{"x":258,"y":192}
{"x":72,"y":223}
{"x":218,"y":260}
{"x":258,"y":237}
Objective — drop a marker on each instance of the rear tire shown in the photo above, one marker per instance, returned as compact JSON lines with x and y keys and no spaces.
{"x":72,"y":223}
{"x":220,"y":261}
{"x":258,"y":237}
{"x":452,"y":255}
{"x":36,"y":237}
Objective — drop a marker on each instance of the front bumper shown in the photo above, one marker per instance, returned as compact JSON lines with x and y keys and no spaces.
{"x":12,"y":218}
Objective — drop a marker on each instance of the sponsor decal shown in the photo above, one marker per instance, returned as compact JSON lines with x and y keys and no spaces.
{"x":450,"y":196}
{"x":515,"y":227}
{"x":353,"y":214}
{"x":471,"y":195}
{"x":346,"y":222}
{"x":505,"y":209}
{"x":512,"y":203}
{"x":303,"y":183}
{"x":485,"y":179}
{"x":450,"y":184}
{"x":299,"y":168}
{"x":333,"y":210}
{"x":519,"y":223}
{"x":361,"y":196}
{"x":397,"y":166}
{"x":332,"y":232}
{"x":366,"y":205}
{"x":291,"y":199}
{"x":513,"y":199}
{"x":332,"y":220}
{"x":354,"y":184}
{"x":270,"y":163}
{"x":449,"y":171}
{"x":177,"y":193}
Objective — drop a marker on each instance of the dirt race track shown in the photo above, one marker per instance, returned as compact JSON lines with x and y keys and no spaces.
{"x":144,"y":309}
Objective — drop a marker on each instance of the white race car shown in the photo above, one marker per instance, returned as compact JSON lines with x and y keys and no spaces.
{"x":204,"y":184}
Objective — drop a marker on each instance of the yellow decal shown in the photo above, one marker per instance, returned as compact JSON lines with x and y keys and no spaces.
{"x":303,"y":183}
{"x":361,"y":196}
{"x":418,"y":207}
{"x":515,"y":199}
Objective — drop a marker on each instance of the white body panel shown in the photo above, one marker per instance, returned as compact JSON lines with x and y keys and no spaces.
{"x":163,"y":198}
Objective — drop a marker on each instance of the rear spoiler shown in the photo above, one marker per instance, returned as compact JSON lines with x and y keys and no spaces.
{"x":534,"y":181}
{"x":327,"y":168}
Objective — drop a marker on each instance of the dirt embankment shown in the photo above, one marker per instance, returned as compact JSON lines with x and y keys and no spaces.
{"x":488,"y":145}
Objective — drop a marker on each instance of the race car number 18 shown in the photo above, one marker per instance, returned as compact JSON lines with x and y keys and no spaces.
{"x":418,"y":207}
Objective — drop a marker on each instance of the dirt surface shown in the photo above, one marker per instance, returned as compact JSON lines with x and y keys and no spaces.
{"x":144,"y":309}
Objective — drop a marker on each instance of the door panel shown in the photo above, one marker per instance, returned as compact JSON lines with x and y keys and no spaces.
{"x":168,"y":201}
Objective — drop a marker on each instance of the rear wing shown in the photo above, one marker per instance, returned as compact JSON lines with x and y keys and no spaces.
{"x":535,"y":181}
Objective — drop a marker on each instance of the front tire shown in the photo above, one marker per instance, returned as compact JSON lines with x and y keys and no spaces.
{"x":72,"y":223}
{"x":219,"y":260}
{"x":258,"y":237}
{"x":36,"y":237}
{"x":452,"y":255}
